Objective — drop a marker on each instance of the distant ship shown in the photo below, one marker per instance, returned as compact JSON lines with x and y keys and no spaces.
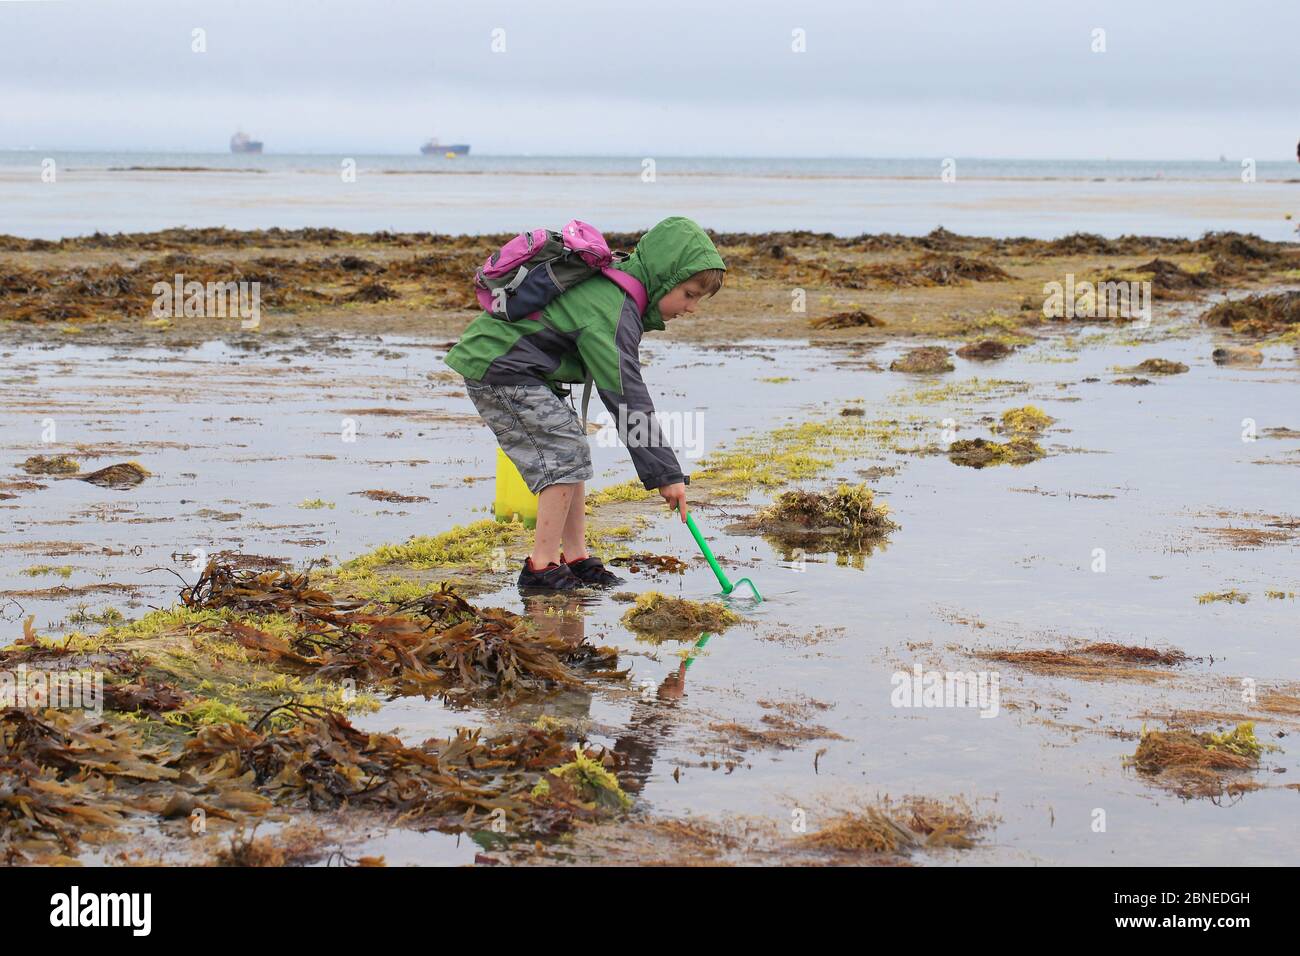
{"x":434,"y":148}
{"x":241,"y":143}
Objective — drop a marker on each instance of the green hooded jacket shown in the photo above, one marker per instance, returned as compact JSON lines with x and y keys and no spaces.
{"x":595,"y":329}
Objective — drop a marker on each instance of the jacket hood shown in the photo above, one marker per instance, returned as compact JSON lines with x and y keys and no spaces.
{"x":666,"y":256}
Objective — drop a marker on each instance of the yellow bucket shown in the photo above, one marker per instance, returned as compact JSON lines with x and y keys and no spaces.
{"x":513,"y":501}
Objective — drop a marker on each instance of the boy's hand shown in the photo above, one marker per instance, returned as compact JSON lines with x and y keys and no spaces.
{"x":675,"y":495}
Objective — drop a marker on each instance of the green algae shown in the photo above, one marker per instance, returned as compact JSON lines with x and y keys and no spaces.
{"x":64,"y":570}
{"x":624,"y":491}
{"x":205,"y":712}
{"x":1026,"y":420}
{"x":392,"y":573}
{"x":472,"y":545}
{"x":156,"y":624}
{"x":590,"y":780}
{"x":189,"y":648}
{"x":384,"y":588}
{"x":1241,"y":740}
{"x":50,"y":465}
{"x":792,"y":453}
{"x":105,"y":617}
{"x":966,"y":390}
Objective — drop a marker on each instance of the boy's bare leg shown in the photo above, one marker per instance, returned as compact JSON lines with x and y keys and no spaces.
{"x":575,"y":525}
{"x":552,"y":516}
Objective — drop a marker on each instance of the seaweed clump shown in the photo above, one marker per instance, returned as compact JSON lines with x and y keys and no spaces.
{"x":1159,"y":366}
{"x":660,"y":616}
{"x":223,"y":585}
{"x":1198,"y":765}
{"x":661,"y":563}
{"x":980,"y":452}
{"x":846,"y":320}
{"x":584,"y":780}
{"x":320,"y":761}
{"x":1169,"y":280}
{"x":1257,"y":315}
{"x":1026,"y":420}
{"x":68,"y":777}
{"x":935,"y":268}
{"x":847,"y":518}
{"x":986,"y":350}
{"x":437,"y":643}
{"x":1237,"y":355}
{"x":119,"y":477}
{"x":294,"y":845}
{"x":1096,"y":661}
{"x":50,"y":465}
{"x":898,"y":829}
{"x":927,"y":359}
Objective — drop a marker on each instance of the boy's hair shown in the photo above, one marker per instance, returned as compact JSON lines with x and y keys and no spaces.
{"x":712,"y":279}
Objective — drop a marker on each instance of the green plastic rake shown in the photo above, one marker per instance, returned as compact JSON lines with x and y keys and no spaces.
{"x":727,"y":586}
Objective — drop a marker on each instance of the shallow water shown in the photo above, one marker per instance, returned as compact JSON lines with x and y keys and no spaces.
{"x":1011,"y":547}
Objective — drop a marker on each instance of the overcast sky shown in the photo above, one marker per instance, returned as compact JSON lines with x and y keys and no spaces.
{"x":999,"y":78}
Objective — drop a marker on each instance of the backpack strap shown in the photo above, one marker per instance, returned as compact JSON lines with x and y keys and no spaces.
{"x":629,"y":284}
{"x":633,"y":287}
{"x":586,"y":398}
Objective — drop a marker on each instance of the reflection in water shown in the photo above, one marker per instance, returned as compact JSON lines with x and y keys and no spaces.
{"x":848,"y":554}
{"x":651,"y":721}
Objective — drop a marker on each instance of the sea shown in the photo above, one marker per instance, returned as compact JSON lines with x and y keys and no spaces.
{"x":53,"y":194}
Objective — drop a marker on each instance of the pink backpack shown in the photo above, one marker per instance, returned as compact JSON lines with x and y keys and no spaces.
{"x":523,"y":276}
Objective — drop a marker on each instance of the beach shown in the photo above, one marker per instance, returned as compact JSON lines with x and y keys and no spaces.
{"x":1090,"y":512}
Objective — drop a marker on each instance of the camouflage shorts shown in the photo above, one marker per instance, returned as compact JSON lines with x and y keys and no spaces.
{"x":537,"y":430}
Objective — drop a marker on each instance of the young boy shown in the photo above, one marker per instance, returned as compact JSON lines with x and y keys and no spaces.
{"x":512,"y":369}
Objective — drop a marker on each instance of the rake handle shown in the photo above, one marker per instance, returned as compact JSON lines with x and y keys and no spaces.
{"x":727,"y":586}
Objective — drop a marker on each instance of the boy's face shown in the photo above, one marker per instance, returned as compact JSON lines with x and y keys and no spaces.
{"x":683,"y":298}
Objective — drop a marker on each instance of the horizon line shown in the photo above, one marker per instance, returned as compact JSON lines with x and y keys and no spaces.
{"x":636,"y":155}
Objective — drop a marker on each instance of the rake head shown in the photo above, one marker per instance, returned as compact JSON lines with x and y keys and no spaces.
{"x":752,"y":587}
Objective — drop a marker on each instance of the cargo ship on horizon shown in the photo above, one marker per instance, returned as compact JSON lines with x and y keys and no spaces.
{"x":241,"y":142}
{"x":434,"y":148}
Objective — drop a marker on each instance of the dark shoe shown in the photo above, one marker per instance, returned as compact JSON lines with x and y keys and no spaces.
{"x":554,"y":577}
{"x":591,"y":572}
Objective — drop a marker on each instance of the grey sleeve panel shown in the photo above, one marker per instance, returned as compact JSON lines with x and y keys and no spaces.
{"x":532,"y":358}
{"x":634,"y":412}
